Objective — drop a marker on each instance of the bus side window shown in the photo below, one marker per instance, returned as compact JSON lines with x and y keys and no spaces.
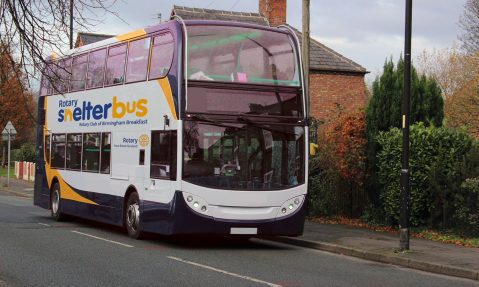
{"x":64,"y":73}
{"x":46,"y":88}
{"x":115,"y":65}
{"x":73,"y":154}
{"x":79,"y":72}
{"x":161,"y":55}
{"x":91,"y":152}
{"x":96,"y":67}
{"x":137,"y":66}
{"x":58,"y":150}
{"x":105,"y":152}
{"x":163,"y":154}
{"x":47,"y":148}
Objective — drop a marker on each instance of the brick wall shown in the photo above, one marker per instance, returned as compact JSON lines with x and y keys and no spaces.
{"x":329,"y":89}
{"x":274,"y":11}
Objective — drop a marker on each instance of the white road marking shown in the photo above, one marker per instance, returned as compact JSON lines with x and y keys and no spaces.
{"x":28,"y":189}
{"x":44,"y":224}
{"x":99,"y":238}
{"x":224,"y":272}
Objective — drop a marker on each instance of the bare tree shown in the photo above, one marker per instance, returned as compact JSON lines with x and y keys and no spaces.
{"x":452,"y":68}
{"x":469,"y":22}
{"x":35,"y":28}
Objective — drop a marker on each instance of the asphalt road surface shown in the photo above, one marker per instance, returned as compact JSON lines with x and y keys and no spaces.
{"x":37,"y":251}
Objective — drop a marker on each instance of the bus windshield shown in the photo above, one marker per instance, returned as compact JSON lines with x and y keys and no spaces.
{"x":243,"y":156}
{"x":241,"y":55}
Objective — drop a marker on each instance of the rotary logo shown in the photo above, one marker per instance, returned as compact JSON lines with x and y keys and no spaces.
{"x":144,"y":140}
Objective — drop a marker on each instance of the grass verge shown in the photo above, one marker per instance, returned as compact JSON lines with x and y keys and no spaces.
{"x":3,"y":172}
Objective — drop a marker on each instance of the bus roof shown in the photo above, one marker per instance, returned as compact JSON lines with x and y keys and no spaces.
{"x":172,"y":24}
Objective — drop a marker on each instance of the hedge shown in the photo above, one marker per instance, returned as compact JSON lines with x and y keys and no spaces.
{"x":443,"y":165}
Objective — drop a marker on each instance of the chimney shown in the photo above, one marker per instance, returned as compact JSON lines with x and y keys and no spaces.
{"x":274,"y":11}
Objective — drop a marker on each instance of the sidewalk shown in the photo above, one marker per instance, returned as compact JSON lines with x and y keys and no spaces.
{"x":17,"y":187}
{"x":430,"y":256}
{"x":426,"y":255}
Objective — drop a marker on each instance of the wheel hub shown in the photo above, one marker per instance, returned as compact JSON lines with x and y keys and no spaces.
{"x":55,"y":201}
{"x":133,"y":216}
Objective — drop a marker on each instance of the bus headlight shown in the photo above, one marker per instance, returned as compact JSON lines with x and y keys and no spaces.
{"x":196,"y":203}
{"x":290,"y":206}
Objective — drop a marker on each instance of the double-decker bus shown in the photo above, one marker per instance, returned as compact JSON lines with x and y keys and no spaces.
{"x":187,"y":127}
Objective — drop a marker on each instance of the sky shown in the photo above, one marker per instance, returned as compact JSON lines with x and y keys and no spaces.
{"x":365,"y":31}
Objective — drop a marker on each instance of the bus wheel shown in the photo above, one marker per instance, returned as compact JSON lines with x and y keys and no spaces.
{"x":132,"y":216}
{"x":55,"y":203}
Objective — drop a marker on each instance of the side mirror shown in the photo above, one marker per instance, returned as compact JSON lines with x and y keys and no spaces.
{"x":313,"y":148}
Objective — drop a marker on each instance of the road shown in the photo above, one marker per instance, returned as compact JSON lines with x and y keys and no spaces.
{"x":37,"y":251}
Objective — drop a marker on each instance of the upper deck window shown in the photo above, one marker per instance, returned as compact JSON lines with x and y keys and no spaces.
{"x":138,"y":60}
{"x":96,"y":66}
{"x":61,"y":78}
{"x":46,"y":87}
{"x":115,"y":65}
{"x":161,"y":55}
{"x":241,"y":55}
{"x":79,"y":67}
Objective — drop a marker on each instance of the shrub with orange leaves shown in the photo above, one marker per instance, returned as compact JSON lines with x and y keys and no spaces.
{"x":16,"y":102}
{"x":344,"y":140}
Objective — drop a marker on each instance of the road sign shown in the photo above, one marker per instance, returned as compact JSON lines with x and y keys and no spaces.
{"x":8,"y":130}
{"x":8,"y":134}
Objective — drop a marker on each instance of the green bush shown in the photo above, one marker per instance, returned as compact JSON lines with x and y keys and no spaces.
{"x":26,"y":152}
{"x":437,"y":160}
{"x":466,"y":204}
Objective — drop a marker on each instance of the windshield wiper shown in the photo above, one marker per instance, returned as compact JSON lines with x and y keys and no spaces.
{"x":204,"y":118}
{"x":262,"y":126}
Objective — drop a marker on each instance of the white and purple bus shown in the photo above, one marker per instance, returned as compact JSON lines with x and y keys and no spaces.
{"x":187,"y":127}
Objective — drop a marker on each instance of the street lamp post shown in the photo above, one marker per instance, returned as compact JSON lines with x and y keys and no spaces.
{"x":405,"y":172}
{"x":305,"y":50}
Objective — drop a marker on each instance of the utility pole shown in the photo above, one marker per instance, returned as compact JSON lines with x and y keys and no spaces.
{"x":71,"y":24}
{"x":405,"y":183}
{"x":305,"y":51}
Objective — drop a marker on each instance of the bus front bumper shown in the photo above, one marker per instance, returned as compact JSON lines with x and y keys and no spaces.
{"x":177,"y":218}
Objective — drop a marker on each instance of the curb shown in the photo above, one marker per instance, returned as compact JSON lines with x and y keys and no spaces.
{"x":382,"y":258}
{"x":16,"y":193}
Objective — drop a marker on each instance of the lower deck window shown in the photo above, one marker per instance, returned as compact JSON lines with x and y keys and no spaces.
{"x":163,"y":154}
{"x":58,"y":151}
{"x":73,"y":153}
{"x":105,"y":152}
{"x":91,"y":152}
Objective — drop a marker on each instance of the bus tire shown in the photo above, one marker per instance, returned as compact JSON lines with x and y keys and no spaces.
{"x":132,"y":216}
{"x":55,"y":203}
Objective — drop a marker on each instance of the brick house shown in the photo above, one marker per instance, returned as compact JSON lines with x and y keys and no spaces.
{"x":84,"y":38}
{"x":334,"y":79}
